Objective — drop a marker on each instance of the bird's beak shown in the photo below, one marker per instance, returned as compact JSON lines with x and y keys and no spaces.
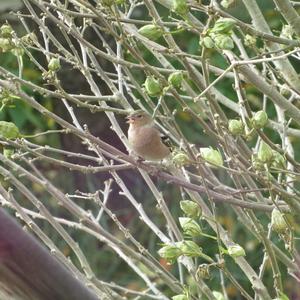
{"x":130,"y":120}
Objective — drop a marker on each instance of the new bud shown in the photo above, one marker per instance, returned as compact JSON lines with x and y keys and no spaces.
{"x":175,"y":79}
{"x":6,"y":44}
{"x":54,"y":64}
{"x":151,"y":31}
{"x":8,"y":152}
{"x":223,"y":25}
{"x":190,"y":208}
{"x":180,"y":7}
{"x":6,"y":31}
{"x":190,"y":248}
{"x":212,"y":156}
{"x":223,"y":41}
{"x":279,"y":161}
{"x":9,"y":130}
{"x":265,"y":153}
{"x":180,"y":158}
{"x":260,"y":119}
{"x":152,"y":86}
{"x":236,"y":127}
{"x":190,"y":226}
{"x":170,"y":252}
{"x":236,"y":251}
{"x":207,"y":42}
{"x":278,"y":222}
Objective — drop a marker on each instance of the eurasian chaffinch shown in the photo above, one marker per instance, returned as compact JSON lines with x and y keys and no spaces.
{"x":144,"y":138}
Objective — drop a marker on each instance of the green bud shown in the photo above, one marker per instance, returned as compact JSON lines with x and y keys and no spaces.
{"x":190,"y":226}
{"x":223,"y":41}
{"x":203,"y":271}
{"x":6,"y":31}
{"x":250,"y":40}
{"x":180,"y":297}
{"x":180,"y":7}
{"x":9,"y":130}
{"x":218,"y":295}
{"x":29,"y":38}
{"x":212,"y":156}
{"x":180,"y":158}
{"x":17,"y":51}
{"x":152,"y":86}
{"x":236,"y":251}
{"x":236,"y":127}
{"x":6,"y":44}
{"x":170,"y":252}
{"x":279,"y":161}
{"x":260,"y":119}
{"x":256,"y":163}
{"x":54,"y":64}
{"x":287,"y":32}
{"x":8,"y":152}
{"x":207,"y":42}
{"x":223,"y":25}
{"x":265,"y":153}
{"x":151,"y":31}
{"x":175,"y":79}
{"x":227,"y":3}
{"x":190,"y":208}
{"x":278,"y":222}
{"x":190,"y":248}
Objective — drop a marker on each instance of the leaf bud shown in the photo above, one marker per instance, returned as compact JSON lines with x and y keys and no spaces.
{"x":223,"y":25}
{"x":190,"y":248}
{"x":236,"y":127}
{"x":256,"y":163}
{"x":151,"y":31}
{"x":207,"y":42}
{"x":278,"y":222}
{"x":260,"y":119}
{"x":54,"y":64}
{"x":9,"y":130}
{"x":250,"y":40}
{"x":180,"y":158}
{"x":212,"y":156}
{"x":236,"y":251}
{"x":8,"y":152}
{"x":152,"y":86}
{"x":190,"y":208}
{"x":190,"y":226}
{"x":265,"y":153}
{"x":170,"y":252}
{"x":175,"y":79}
{"x":6,"y":44}
{"x":6,"y":31}
{"x":223,"y":41}
{"x":227,"y":3}
{"x":180,"y":7}
{"x":279,"y":161}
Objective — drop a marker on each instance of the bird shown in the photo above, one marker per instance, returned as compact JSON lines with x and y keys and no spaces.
{"x":144,"y":138}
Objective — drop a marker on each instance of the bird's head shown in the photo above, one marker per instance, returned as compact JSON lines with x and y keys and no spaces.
{"x":139,"y":118}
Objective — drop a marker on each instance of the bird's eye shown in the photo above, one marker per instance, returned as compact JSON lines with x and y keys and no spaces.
{"x":139,"y":116}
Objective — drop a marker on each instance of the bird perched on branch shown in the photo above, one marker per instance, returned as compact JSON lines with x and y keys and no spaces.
{"x":144,"y":138}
